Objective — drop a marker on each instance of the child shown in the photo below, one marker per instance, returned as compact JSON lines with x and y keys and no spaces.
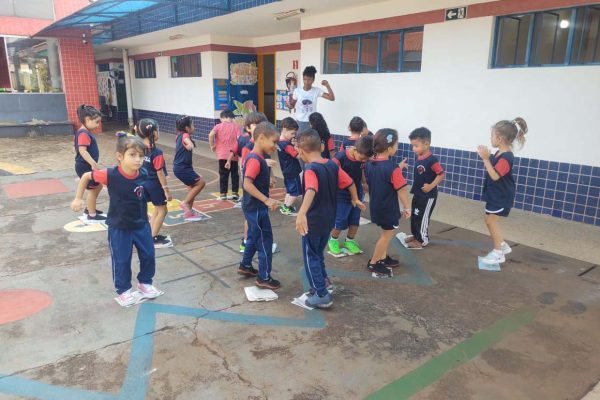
{"x":156,"y":188}
{"x":357,"y":128}
{"x":499,"y":184}
{"x":226,"y":134}
{"x":127,"y":219}
{"x":428,"y":174}
{"x":86,"y":158}
{"x":317,"y":122}
{"x":290,"y":166}
{"x":387,"y":186}
{"x":256,"y":204}
{"x":183,"y":168}
{"x":316,"y":217}
{"x":350,"y":161}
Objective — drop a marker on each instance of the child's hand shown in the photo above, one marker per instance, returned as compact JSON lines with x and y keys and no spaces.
{"x":324,"y":82}
{"x":365,"y":188}
{"x":483,"y":152}
{"x":428,"y":187}
{"x":406,"y":213}
{"x":77,"y":205}
{"x":403,"y":164}
{"x":270,"y":162}
{"x":213,"y":148}
{"x":272,"y":204}
{"x":228,"y":165}
{"x":359,"y":204}
{"x":302,"y":224}
{"x":272,"y":183}
{"x":189,"y":146}
{"x":168,"y":194}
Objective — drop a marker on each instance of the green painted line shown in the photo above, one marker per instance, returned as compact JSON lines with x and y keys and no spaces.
{"x":428,"y":373}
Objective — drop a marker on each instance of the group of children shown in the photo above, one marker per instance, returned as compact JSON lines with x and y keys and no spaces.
{"x":332,"y":186}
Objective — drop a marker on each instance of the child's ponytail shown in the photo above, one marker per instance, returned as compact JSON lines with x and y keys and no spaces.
{"x":521,"y":126}
{"x":146,"y":129}
{"x":513,"y":130}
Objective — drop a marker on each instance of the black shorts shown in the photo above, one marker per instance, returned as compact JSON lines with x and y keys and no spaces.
{"x":389,"y":226}
{"x":155,"y":193}
{"x":496,"y":210}
{"x":82,"y":169}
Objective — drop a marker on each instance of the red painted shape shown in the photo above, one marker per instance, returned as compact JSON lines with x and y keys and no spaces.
{"x":34,"y":188}
{"x":210,"y":205}
{"x":277,"y":194}
{"x":19,"y":304}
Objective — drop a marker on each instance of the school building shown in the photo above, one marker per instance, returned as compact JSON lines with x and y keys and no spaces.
{"x":456,"y":68}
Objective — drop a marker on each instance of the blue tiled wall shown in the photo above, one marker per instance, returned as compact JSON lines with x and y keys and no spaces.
{"x":563,"y":190}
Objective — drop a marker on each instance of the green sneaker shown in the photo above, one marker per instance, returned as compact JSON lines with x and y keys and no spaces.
{"x":285,"y":210}
{"x":334,"y":246}
{"x":352,"y":246}
{"x":242,"y":246}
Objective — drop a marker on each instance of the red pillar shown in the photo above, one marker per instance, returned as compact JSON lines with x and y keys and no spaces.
{"x":4,"y":74}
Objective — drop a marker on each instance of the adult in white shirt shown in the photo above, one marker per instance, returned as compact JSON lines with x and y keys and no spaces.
{"x":304,"y":98}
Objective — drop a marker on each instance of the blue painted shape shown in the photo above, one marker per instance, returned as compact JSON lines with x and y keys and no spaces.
{"x":18,"y":386}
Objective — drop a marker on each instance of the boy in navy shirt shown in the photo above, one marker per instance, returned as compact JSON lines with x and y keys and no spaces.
{"x":256,"y":204}
{"x":316,"y":217}
{"x":290,"y":166}
{"x":358,"y":129}
{"x":428,"y":173}
{"x":352,"y":161}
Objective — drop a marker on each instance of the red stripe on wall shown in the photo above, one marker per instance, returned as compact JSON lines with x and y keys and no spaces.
{"x":218,"y":47}
{"x":520,"y":6}
{"x":22,"y":26}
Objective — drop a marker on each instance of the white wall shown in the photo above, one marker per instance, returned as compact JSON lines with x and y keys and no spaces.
{"x":459,"y":97}
{"x":283,"y":65}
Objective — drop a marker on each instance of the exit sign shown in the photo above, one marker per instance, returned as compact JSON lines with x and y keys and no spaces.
{"x":456,"y":13}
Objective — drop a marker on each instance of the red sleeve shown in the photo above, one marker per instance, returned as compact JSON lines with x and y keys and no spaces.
{"x":185,"y":136}
{"x":502,"y":167}
{"x":291,"y":151}
{"x":252,"y":168}
{"x":398,"y":181}
{"x":344,"y":180}
{"x":83,"y":139}
{"x":100,"y":176}
{"x":245,"y":152}
{"x":437,"y":168}
{"x":337,"y":162}
{"x":330,"y":144}
{"x":158,"y":162}
{"x":310,"y":181}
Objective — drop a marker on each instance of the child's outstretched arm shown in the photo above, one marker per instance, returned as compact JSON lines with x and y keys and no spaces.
{"x":301,"y":221}
{"x":87,"y":157}
{"x":77,"y":203}
{"x":329,"y":94}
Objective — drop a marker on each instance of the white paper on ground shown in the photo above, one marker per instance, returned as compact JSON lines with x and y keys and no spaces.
{"x":487,"y":267}
{"x":137,"y":295}
{"x":301,"y":301}
{"x":84,"y":219}
{"x":254,"y":293}
{"x":364,"y":221}
{"x":401,"y":236}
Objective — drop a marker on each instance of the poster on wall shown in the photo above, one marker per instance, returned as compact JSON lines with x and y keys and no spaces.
{"x":243,"y":83}
{"x":221,"y":93}
{"x":282,"y":99}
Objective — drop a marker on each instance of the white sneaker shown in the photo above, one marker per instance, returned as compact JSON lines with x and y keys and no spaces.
{"x":505,"y":248}
{"x":493,"y":257}
{"x":126,"y":299}
{"x":274,"y":248}
{"x":149,"y":291}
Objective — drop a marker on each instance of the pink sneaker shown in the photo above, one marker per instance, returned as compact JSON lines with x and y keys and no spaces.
{"x":148,"y":291}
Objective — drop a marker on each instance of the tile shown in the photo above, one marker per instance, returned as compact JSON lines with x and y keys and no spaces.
{"x":34,"y":188}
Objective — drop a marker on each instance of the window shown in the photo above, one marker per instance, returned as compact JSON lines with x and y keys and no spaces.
{"x":186,"y":66}
{"x":33,"y":65}
{"x":556,"y":37}
{"x":393,"y":51}
{"x":145,"y":68}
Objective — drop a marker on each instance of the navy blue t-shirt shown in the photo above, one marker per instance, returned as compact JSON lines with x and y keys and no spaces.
{"x":353,"y":168}
{"x":290,"y":166}
{"x":127,"y":208}
{"x":256,"y":168}
{"x":83,"y":137}
{"x":241,"y":143}
{"x":323,"y":178}
{"x":500,"y":193}
{"x":154,"y":160}
{"x":427,"y":168}
{"x":384,"y":178}
{"x":183,"y":157}
{"x":348,"y":141}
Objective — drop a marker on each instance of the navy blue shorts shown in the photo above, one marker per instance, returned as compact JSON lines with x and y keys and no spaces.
{"x":293,"y":186}
{"x":389,"y":226}
{"x":155,"y":193}
{"x":82,"y":169}
{"x":496,"y":210}
{"x":188,"y":176}
{"x":346,"y":215}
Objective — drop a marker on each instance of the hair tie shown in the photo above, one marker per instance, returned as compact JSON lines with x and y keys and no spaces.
{"x":518,"y":126}
{"x":148,"y":126}
{"x":121,"y":134}
{"x":390,"y":138}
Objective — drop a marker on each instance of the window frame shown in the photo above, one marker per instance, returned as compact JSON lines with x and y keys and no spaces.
{"x":379,"y":35}
{"x":145,"y":68}
{"x":572,"y":52}
{"x":185,"y":64}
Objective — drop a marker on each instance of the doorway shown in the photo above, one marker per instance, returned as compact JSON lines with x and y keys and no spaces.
{"x":266,"y":85}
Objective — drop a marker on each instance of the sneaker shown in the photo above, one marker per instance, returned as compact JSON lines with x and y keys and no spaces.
{"x":126,"y":299}
{"x":352,"y":246}
{"x":505,"y":248}
{"x":235,"y":198}
{"x":192,"y":215}
{"x":334,"y":246}
{"x":409,"y":238}
{"x":414,"y":245}
{"x":148,"y":291}
{"x":86,"y":211}
{"x":285,"y":210}
{"x":380,"y":269}
{"x":161,"y":241}
{"x":328,"y":285}
{"x":390,"y":262}
{"x":242,"y":246}
{"x":223,"y":196}
{"x":494,"y":257}
{"x":268,"y":283}
{"x":247,"y":271}
{"x":317,"y":301}
{"x":96,"y":219}
{"x":273,"y":248}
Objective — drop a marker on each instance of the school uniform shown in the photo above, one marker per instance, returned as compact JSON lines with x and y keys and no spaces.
{"x":384,"y":178}
{"x":328,"y":147}
{"x":154,"y":161}
{"x":128,"y":225}
{"x":325,"y":178}
{"x":348,"y":141}
{"x":347,"y":215}
{"x":260,"y":233}
{"x":226,"y":134}
{"x":426,"y":169}
{"x":290,"y":167}
{"x":87,"y":139}
{"x":500,"y":195}
{"x":182,"y":163}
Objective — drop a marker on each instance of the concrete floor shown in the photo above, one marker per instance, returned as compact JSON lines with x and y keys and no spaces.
{"x":440,"y":329}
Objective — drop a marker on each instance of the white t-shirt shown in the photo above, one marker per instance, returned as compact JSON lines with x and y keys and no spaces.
{"x":306,"y":102}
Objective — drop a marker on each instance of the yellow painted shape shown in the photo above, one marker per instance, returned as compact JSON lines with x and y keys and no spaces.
{"x":172,"y":205}
{"x":80,"y":227}
{"x":16,"y":169}
{"x":217,"y":194}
